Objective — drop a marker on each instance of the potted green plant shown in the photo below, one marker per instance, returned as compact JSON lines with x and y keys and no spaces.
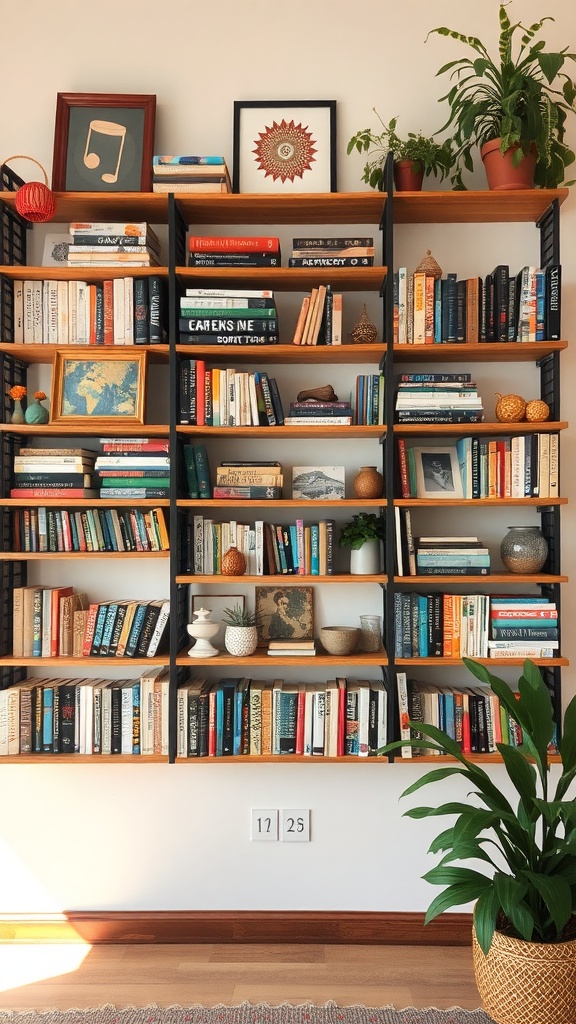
{"x":364,"y":534}
{"x":414,"y":157}
{"x":240,"y":635}
{"x":524,"y":924}
{"x":515,"y":104}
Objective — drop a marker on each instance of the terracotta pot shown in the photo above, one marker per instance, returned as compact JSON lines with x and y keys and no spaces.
{"x":501,"y":172}
{"x":368,"y":483}
{"x":527,"y":982}
{"x":407,"y":176}
{"x":233,"y":563}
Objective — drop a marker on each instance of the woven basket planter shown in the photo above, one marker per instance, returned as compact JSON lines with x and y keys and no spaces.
{"x":527,"y":982}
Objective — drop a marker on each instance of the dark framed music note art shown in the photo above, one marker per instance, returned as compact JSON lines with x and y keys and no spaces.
{"x":103,"y":142}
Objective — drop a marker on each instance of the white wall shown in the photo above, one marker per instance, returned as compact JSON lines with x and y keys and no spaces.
{"x":147,"y":837}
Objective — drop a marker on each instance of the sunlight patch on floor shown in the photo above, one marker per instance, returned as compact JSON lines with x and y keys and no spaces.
{"x":26,"y":963}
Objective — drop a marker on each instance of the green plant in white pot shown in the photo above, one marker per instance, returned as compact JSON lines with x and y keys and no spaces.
{"x":523,"y":878}
{"x":364,"y":535}
{"x":521,"y":98}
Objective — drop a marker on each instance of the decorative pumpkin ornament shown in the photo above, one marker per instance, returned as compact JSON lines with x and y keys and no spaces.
{"x":510,"y":408}
{"x":233,"y":563}
{"x":537,"y":411}
{"x":364,"y":332}
{"x":34,"y":201}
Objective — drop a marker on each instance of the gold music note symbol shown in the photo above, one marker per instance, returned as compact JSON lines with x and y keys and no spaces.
{"x":92,"y":159}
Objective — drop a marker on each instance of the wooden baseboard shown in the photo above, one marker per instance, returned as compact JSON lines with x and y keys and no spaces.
{"x":330,"y":927}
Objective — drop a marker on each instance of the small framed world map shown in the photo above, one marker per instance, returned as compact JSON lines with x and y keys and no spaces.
{"x":100,"y":388}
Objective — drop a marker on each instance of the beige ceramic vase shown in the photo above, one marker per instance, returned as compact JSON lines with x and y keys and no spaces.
{"x":368,"y":483}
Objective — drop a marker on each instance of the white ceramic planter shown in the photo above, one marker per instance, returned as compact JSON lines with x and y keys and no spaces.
{"x":365,"y":561}
{"x":240,"y":641}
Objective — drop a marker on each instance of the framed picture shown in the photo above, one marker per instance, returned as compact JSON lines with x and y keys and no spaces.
{"x":105,"y":387}
{"x":438,"y":472}
{"x":314,"y":483}
{"x":103,"y":142}
{"x":217,"y":603}
{"x":284,"y":613}
{"x":284,"y":146}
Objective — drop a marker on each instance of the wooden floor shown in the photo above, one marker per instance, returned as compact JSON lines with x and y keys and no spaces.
{"x":63,"y":976}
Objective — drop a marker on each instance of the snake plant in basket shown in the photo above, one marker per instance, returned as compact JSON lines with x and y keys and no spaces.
{"x":524,"y":879}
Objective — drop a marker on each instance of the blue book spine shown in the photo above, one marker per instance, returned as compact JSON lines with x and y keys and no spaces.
{"x":438,"y":312}
{"x":37,"y":625}
{"x":397,"y":625}
{"x":540,"y":305}
{"x":238,"y":717}
{"x":47,"y":719}
{"x":449,"y":714}
{"x":294,"y":547}
{"x":156,"y":160}
{"x":423,"y":626}
{"x":525,"y":623}
{"x":314,"y":550}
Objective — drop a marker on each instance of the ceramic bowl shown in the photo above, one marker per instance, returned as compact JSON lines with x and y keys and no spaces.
{"x":339,"y":639}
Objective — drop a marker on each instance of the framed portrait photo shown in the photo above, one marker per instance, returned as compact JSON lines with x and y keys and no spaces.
{"x":286,"y":146}
{"x":103,"y":142}
{"x":284,"y":613}
{"x":438,"y":472}
{"x":104,"y":388}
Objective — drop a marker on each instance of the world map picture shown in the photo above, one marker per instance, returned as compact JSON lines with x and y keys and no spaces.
{"x":100,"y":388}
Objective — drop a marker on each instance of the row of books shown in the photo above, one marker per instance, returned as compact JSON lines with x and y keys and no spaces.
{"x":437,"y":556}
{"x":135,"y":245}
{"x":320,"y":318}
{"x":51,"y":622}
{"x":521,"y":466}
{"x":501,"y":307}
{"x":463,"y":625}
{"x":91,"y":529}
{"x":120,"y":311}
{"x":471,"y":715}
{"x":332,"y":252}
{"x":190,"y":174}
{"x":227,"y":397}
{"x":452,"y":401}
{"x":241,"y":716}
{"x":270,"y":549}
{"x":86,"y":716}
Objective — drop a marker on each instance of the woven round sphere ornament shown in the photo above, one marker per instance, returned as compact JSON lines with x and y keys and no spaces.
{"x":537,"y":411}
{"x":364,"y":332}
{"x":429,"y":266}
{"x":510,"y":408}
{"x":233,"y":563}
{"x":34,"y":200}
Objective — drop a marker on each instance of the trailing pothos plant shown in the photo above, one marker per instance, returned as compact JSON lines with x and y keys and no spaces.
{"x":528,"y":851}
{"x":429,"y":156}
{"x":520,"y":97}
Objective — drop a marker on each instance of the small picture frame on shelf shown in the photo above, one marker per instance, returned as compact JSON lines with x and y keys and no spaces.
{"x":438,"y":472}
{"x":284,"y":613}
{"x":318,"y":483}
{"x":217,"y":604}
{"x":103,"y":142}
{"x":104,"y":388}
{"x":286,"y":146}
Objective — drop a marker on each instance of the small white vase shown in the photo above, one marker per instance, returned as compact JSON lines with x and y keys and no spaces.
{"x":365,"y":561}
{"x":203,"y":630}
{"x":241,"y":641}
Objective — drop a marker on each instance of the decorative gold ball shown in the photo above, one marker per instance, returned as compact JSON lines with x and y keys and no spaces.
{"x":510,"y":408}
{"x":537,"y":411}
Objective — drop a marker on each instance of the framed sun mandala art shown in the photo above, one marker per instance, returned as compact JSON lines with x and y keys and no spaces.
{"x":284,"y":146}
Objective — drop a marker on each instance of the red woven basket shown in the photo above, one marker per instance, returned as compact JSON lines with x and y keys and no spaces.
{"x":34,"y":200}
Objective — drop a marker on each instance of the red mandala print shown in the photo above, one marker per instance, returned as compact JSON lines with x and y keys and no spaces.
{"x":285,"y":151}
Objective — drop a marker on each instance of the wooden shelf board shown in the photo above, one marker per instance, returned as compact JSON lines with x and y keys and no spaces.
{"x":261,"y":658}
{"x":282,"y":759}
{"x":34,"y":556}
{"x":288,"y":580}
{"x":455,"y":662}
{"x":354,"y":430}
{"x":110,"y":206}
{"x":305,"y":208}
{"x":470,"y":207}
{"x":473,"y":429}
{"x":46,"y":353}
{"x":540,"y":579}
{"x":298,"y":354}
{"x":86,"y":430}
{"x":279,"y":502}
{"x":492,"y":352}
{"x":84,"y":502}
{"x":475,"y":758}
{"x":83,"y":273}
{"x":60,"y":664}
{"x":86,"y":759}
{"x":287,"y":279}
{"x":477,"y":502}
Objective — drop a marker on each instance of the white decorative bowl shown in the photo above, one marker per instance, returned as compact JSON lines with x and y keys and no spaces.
{"x":339,"y":639}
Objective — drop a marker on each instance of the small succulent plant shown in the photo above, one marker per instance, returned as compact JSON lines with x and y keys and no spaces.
{"x":238,"y":616}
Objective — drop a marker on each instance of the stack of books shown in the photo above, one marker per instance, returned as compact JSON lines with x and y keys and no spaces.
{"x":270,"y":550}
{"x":297,"y":648}
{"x":451,"y":556}
{"x":523,"y":627}
{"x":133,"y":468}
{"x":95,"y":244}
{"x":320,"y":318}
{"x":234,"y":251}
{"x":332,"y":252}
{"x":54,"y":473}
{"x":312,"y":412}
{"x":451,"y":400}
{"x":227,"y":397}
{"x":227,"y":318}
{"x":248,"y":480}
{"x":190,"y":174}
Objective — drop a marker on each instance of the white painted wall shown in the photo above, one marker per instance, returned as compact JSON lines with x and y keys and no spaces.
{"x":156,"y":837}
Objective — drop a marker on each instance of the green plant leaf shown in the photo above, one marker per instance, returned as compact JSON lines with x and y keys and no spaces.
{"x":556,"y":894}
{"x":454,"y":896}
{"x":485,"y":917}
{"x":510,"y":893}
{"x":568,"y":743}
{"x":442,"y":875}
{"x":521,"y":774}
{"x":434,"y":776}
{"x":452,"y":807}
